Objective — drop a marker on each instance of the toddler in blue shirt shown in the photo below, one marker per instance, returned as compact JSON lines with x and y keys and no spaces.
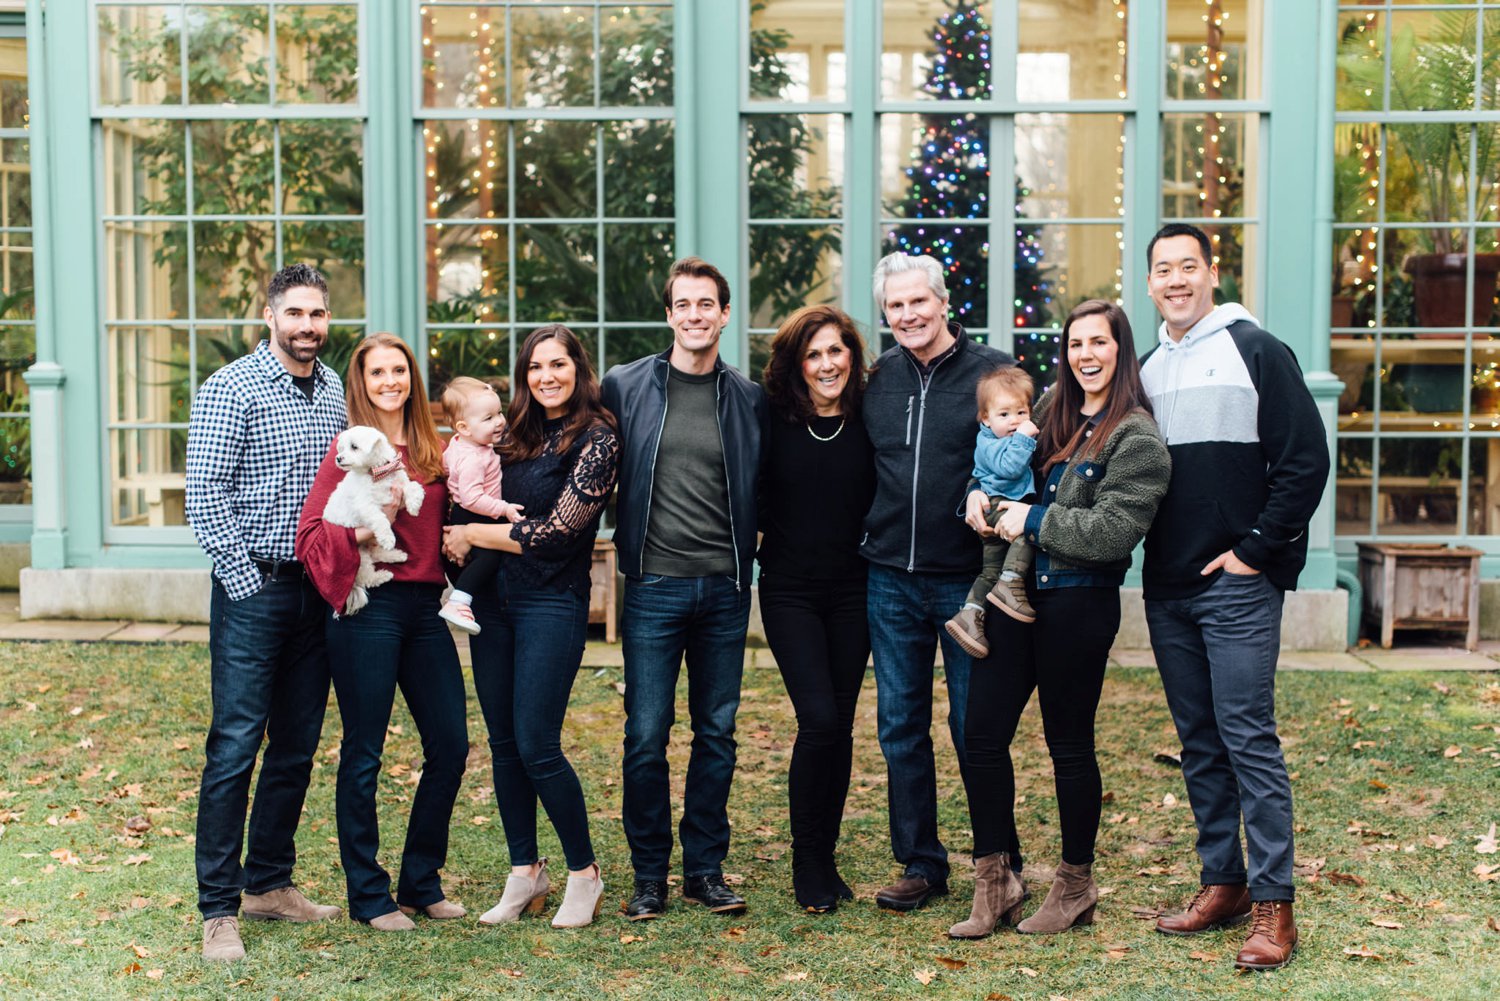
{"x":1003,"y":452}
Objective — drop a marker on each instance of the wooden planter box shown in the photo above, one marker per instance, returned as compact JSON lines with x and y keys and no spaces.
{"x":1416,"y":585}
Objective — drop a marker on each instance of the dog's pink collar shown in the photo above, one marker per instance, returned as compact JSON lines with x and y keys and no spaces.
{"x":382,"y":471}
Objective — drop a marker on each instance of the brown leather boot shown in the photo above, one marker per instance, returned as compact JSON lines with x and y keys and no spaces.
{"x":1273,"y":936}
{"x":1070,"y":901}
{"x":1217,"y":906}
{"x":997,"y":897}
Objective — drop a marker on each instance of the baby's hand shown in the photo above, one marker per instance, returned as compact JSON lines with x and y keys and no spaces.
{"x":1029,"y":429}
{"x":513,"y":512}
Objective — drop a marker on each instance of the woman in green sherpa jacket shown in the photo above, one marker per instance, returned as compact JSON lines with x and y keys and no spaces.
{"x":1102,"y":471}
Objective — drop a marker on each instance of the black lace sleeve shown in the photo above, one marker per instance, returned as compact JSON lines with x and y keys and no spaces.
{"x":579,"y":504}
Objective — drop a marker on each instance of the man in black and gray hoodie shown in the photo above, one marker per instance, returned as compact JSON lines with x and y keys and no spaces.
{"x":1249,"y":463}
{"x":919,"y":410}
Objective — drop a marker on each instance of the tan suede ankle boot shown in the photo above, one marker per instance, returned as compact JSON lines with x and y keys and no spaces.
{"x":997,"y":897}
{"x":1069,"y":902}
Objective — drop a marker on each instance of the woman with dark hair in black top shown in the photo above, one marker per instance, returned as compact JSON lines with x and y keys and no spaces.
{"x":817,"y":487}
{"x":561,"y":454}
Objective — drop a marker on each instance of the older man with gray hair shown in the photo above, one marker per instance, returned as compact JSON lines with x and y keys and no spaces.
{"x":920,"y":411}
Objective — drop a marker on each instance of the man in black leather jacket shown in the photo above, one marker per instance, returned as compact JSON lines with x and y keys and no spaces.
{"x":919,"y":408}
{"x":690,"y":429}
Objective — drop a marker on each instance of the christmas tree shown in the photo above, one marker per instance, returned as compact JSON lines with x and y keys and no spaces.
{"x":950,"y":180}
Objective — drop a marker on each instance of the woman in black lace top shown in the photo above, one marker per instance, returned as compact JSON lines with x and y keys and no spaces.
{"x":560,"y":454}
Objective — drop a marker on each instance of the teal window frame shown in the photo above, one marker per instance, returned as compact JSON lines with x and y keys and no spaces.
{"x":864,"y":225}
{"x":185,"y":115}
{"x":1346,"y":544}
{"x":16,"y":519}
{"x":711,"y":105}
{"x":510,"y":114}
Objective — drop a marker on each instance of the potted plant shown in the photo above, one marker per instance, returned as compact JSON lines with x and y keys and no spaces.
{"x":1436,"y":73}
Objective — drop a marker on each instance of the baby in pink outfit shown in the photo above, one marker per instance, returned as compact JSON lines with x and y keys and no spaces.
{"x":473,"y":471}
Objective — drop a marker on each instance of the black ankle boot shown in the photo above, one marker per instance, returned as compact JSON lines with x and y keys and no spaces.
{"x":810,"y":883}
{"x":835,"y":881}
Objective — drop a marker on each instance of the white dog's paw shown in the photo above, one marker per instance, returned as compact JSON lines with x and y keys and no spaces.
{"x":384,"y":537}
{"x":414,"y":495}
{"x":388,"y":555}
{"x":379,"y":577}
{"x":358,"y":598}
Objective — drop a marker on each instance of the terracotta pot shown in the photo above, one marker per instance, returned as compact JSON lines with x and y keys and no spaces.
{"x":1438,"y":280}
{"x":1341,"y":311}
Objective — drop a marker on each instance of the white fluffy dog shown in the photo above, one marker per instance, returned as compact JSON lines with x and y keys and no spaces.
{"x":371,"y":468}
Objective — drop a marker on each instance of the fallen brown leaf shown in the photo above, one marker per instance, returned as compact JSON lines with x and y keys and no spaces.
{"x":1438,"y":841}
{"x":1029,"y":972}
{"x":799,"y":975}
{"x":1487,"y":845}
{"x":1486,"y":873}
{"x":1452,"y":751}
{"x":1491,"y":923}
{"x":1362,"y":952}
{"x":997,"y":996}
{"x":155,"y":974}
{"x":923,"y":977}
{"x":141,"y":952}
{"x":1344,"y":878}
{"x":1382,"y":923}
{"x":951,"y":963}
{"x":140,"y":859}
{"x":1206,"y":957}
{"x":627,"y":939}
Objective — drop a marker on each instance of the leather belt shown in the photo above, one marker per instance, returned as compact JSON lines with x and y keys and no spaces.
{"x":279,"y":569}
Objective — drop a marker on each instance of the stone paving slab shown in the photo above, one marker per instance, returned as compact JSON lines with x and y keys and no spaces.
{"x":1427,"y":659}
{"x":188,"y":634}
{"x":1314,"y":660}
{"x":1132,"y":658}
{"x":147,"y":632}
{"x":61,"y":629}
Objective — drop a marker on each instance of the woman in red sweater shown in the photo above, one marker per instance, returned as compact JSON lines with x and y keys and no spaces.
{"x":393,"y":641}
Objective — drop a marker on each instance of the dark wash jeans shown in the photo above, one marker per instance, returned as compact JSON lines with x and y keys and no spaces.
{"x":1217,"y":657}
{"x":907,"y":612}
{"x":269,"y":677}
{"x":819,"y":632}
{"x":397,"y":640}
{"x":665,"y":619}
{"x":525,"y":660}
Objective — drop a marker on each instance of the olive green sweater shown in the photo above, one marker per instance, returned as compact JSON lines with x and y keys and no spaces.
{"x":1098,"y":509}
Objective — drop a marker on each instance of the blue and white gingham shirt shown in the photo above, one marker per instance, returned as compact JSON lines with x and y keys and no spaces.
{"x":254,"y":445}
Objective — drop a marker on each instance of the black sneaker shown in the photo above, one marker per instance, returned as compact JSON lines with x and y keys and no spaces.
{"x":711,"y":892}
{"x":648,"y":901}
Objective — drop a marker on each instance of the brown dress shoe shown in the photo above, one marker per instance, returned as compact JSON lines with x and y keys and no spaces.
{"x":910,"y":892}
{"x":1217,"y":906}
{"x":1273,"y":936}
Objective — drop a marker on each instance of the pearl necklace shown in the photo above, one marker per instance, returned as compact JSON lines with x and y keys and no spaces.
{"x":835,"y":434}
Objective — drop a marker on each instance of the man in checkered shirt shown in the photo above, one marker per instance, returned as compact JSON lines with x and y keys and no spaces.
{"x":259,"y":428}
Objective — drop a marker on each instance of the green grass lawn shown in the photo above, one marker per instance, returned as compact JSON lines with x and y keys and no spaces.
{"x":1397,"y":779}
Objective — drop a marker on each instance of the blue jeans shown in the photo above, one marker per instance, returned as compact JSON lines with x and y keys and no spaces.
{"x":525,"y":660}
{"x":705,"y":619}
{"x":269,"y":677}
{"x":907,"y":613}
{"x":396,"y":640}
{"x":1217,"y":656}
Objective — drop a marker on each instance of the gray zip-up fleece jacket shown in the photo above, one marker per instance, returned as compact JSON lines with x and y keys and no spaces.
{"x":922,"y":427}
